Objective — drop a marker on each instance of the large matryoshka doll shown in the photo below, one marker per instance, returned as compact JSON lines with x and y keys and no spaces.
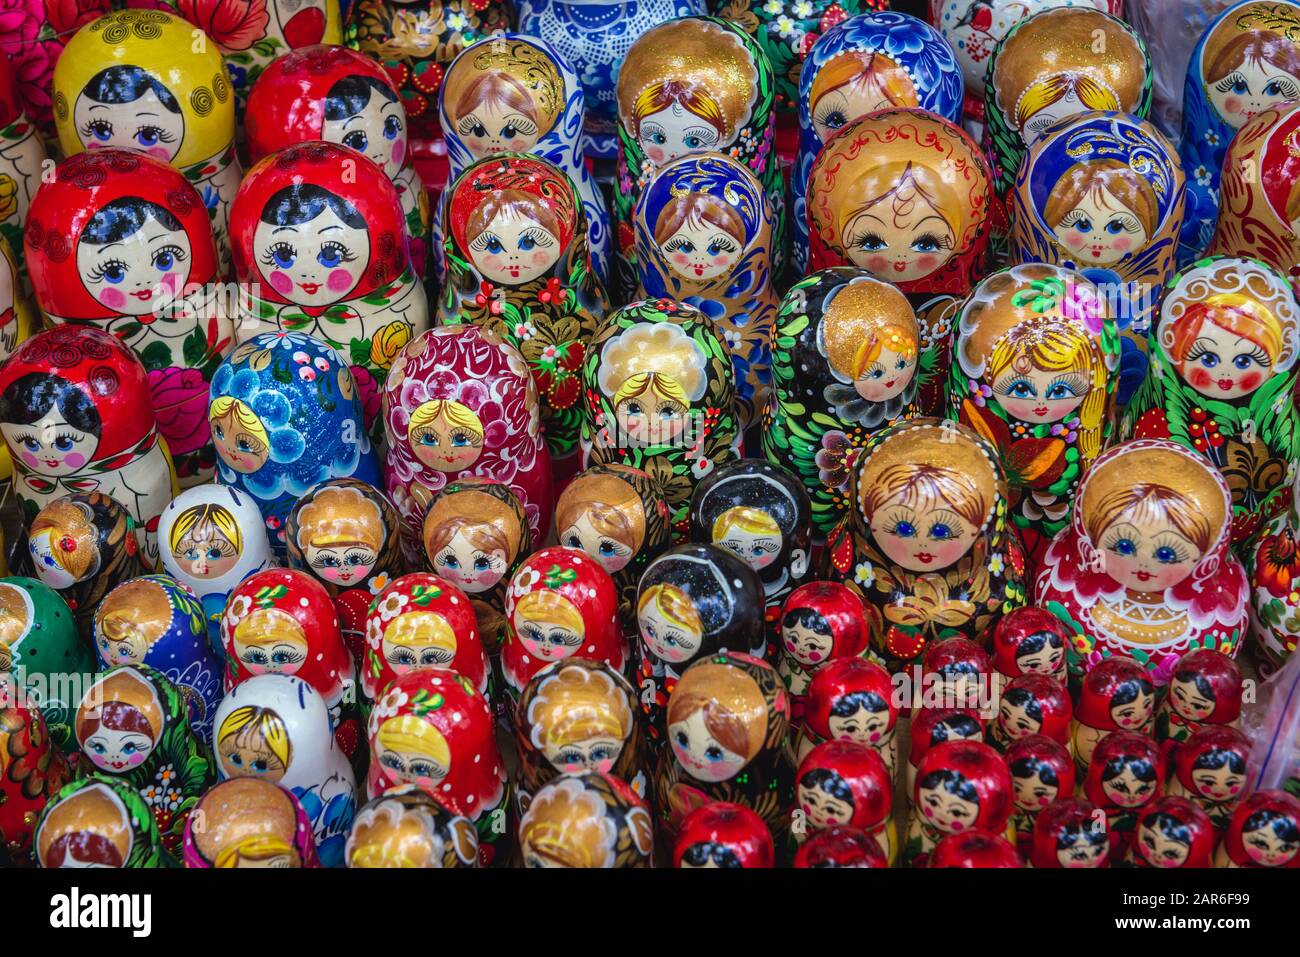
{"x":276,"y":728}
{"x":1042,"y":771}
{"x":518,"y":94}
{"x":460,"y":402}
{"x":22,"y":159}
{"x":870,"y":62}
{"x":1264,"y":832}
{"x":140,"y":80}
{"x":1223,"y":369}
{"x":659,"y":389}
{"x":32,"y":770}
{"x":960,"y":786}
{"x":248,"y":822}
{"x":1116,"y":695}
{"x":723,"y":835}
{"x":408,"y":826}
{"x":588,"y":819}
{"x":1037,"y":364}
{"x":1247,"y":62}
{"x":692,"y":85}
{"x":122,"y":242}
{"x":1172,"y":832}
{"x":726,"y":723}
{"x":850,"y":699}
{"x":848,"y":359}
{"x":432,"y":728}
{"x":133,"y":724}
{"x":1145,"y":570}
{"x":75,"y":413}
{"x":98,"y":821}
{"x":518,"y":268}
{"x":334,"y":94}
{"x":704,"y":234}
{"x":820,"y":622}
{"x":928,"y":544}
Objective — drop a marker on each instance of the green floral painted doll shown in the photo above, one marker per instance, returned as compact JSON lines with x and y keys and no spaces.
{"x":99,"y":821}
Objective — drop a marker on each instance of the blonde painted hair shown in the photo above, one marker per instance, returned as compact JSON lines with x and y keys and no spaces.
{"x":208,"y":517}
{"x":420,"y":628}
{"x":1150,"y":502}
{"x":228,"y":407}
{"x":671,"y":602}
{"x":1052,"y":89}
{"x":859,"y":69}
{"x":407,"y":733}
{"x":456,"y":414}
{"x":657,"y":384}
{"x":752,"y":520}
{"x":925,"y":487}
{"x":576,"y":703}
{"x":248,"y":721}
{"x":890,"y":336}
{"x":264,"y":848}
{"x":693,"y":98}
{"x":545,"y":605}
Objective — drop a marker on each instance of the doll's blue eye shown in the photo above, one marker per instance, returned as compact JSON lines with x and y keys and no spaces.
{"x":1083,"y":225}
{"x":1241,"y":86}
{"x":1059,"y":391}
{"x":1124,"y":546}
{"x":1115,"y":227}
{"x":114,"y":273}
{"x":450,"y":562}
{"x":1209,"y":360}
{"x":606,"y":549}
{"x":148,"y":136}
{"x":941,"y":531}
{"x":1022,"y":390}
{"x":284,"y":258}
{"x":280,"y":657}
{"x":713,"y":753}
{"x":330,"y":256}
{"x":526,"y":243}
{"x":329,"y":561}
{"x":357,"y":139}
{"x":692,"y":142}
{"x":1243,"y":361}
{"x":459,"y":441}
{"x":682,"y":740}
{"x":1166,"y":555}
{"x":259,"y":766}
{"x":214,"y":553}
{"x":509,"y":132}
{"x":658,"y":138}
{"x":904,"y":529}
{"x":63,"y":443}
{"x":128,"y":749}
{"x":479,"y":130}
{"x":428,"y":438}
{"x":97,"y":748}
{"x":236,"y":760}
{"x":101,"y":130}
{"x":391,"y":128}
{"x":835,"y":119}
{"x":354,"y":560}
{"x":494,"y":246}
{"x":481,"y":564}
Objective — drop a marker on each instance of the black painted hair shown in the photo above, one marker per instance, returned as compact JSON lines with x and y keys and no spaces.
{"x":847,"y":705}
{"x":1202,"y":683}
{"x":29,"y":398}
{"x":125,"y":84}
{"x":1023,"y":698}
{"x":1034,"y":643}
{"x":954,"y":727}
{"x":1129,"y":691}
{"x":1142,"y":769}
{"x":809,"y":618}
{"x":295,"y":205}
{"x":1034,"y":767}
{"x":1170,"y":826}
{"x":1070,"y":834}
{"x":124,"y":217}
{"x":1282,"y":826}
{"x":349,"y":96}
{"x":952,"y":782}
{"x":1216,"y":758}
{"x":826,"y":780}
{"x":697,"y":855}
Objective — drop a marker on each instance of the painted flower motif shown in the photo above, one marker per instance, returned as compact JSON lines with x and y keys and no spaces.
{"x":457,"y":21}
{"x":979,"y":392}
{"x":785,"y":26}
{"x":388,"y":342}
{"x":368,"y":392}
{"x":701,"y":467}
{"x":834,"y":459}
{"x":525,"y":582}
{"x":1212,"y":138}
{"x":1163,"y":672}
{"x":488,"y":298}
{"x":374,"y":633}
{"x":803,"y":9}
{"x":387,"y":707}
{"x":379,"y":583}
{"x":773,"y":7}
{"x":1277,"y":564}
{"x":552,"y":292}
{"x":1082,"y":304}
{"x":1202,"y":175}
{"x":995,"y":563}
{"x":233,"y":24}
{"x":238,"y":609}
{"x":181,"y":396}
{"x":392,"y":605}
{"x":523,"y":331}
{"x":864,"y":574}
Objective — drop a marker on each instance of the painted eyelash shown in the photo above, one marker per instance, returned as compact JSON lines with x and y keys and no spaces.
{"x":1229,"y":81}
{"x":101,"y":270}
{"x":164,"y":136}
{"x":724,"y":244}
{"x":522,"y":125}
{"x":1259,"y":355}
{"x":943,"y":242}
{"x":676,"y":243}
{"x":482,"y":240}
{"x":1288,"y":88}
{"x":1129,"y":223}
{"x":861,"y":240}
{"x":89,"y":128}
{"x":1177,"y":547}
{"x":467,"y":435}
{"x":179,"y":254}
{"x":1072,"y":217}
{"x":539,"y":236}
{"x":344,"y":254}
{"x":268,"y":257}
{"x":707,"y":136}
{"x":1076,"y":383}
{"x":951,"y":519}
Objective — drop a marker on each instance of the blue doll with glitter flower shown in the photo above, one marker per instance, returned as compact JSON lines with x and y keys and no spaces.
{"x":286,"y":416}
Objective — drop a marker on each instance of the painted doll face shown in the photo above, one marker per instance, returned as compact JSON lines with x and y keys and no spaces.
{"x":204,"y":552}
{"x":700,"y":250}
{"x":1126,"y":789}
{"x":240,"y":438}
{"x":823,"y":810}
{"x":1267,"y":848}
{"x":1254,"y":86}
{"x":50,"y":445}
{"x":143,"y":126}
{"x":1160,"y":850}
{"x":416,"y":650}
{"x":668,"y":639}
{"x":1134,"y":715}
{"x":922,"y":538}
{"x":675,"y":131}
{"x":1100,"y":230}
{"x":344,"y":564}
{"x":887,"y":376}
{"x":546,"y":639}
{"x":127,"y":649}
{"x":1032,"y":793}
{"x":1223,"y":365}
{"x":806,"y":645}
{"x":1218,"y":785}
{"x":494,"y":126}
{"x":270,"y":642}
{"x":139,"y":274}
{"x":1016,"y":721}
{"x":117,"y":752}
{"x":702,"y":755}
{"x":612,"y":554}
{"x":1080,"y":852}
{"x":249,"y":756}
{"x":467,"y":566}
{"x":758,"y":549}
{"x":846,"y":103}
{"x":1068,"y":105}
{"x":899,"y":246}
{"x":650,"y":419}
{"x":863,"y":726}
{"x":587,"y":754}
{"x":449,"y":441}
{"x":945,"y":811}
{"x":1046,"y":660}
{"x":404,"y":766}
{"x":48,"y":560}
{"x":378,"y":130}
{"x":313,"y":263}
{"x":1147,"y":556}
{"x":514,"y":248}
{"x":1189,"y":701}
{"x":1035,"y":395}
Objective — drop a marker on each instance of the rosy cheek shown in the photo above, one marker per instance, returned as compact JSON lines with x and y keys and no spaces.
{"x":30,"y":459}
{"x":655,"y":154}
{"x":75,"y":459}
{"x":340,"y":280}
{"x":280,"y":282}
{"x":1200,"y":378}
{"x":1123,"y":244}
{"x":720,"y":260}
{"x":1232,"y":104}
{"x":256,"y":669}
{"x":158,"y":152}
{"x":928,"y":812}
{"x":1074,"y":239}
{"x":1044,"y":801}
{"x":681,"y":259}
{"x":330,"y":573}
{"x":137,"y":758}
{"x":605,"y":766}
{"x":540,"y":258}
{"x":956,"y":826}
{"x":927,"y":262}
{"x":485,"y":578}
{"x":112,"y":298}
{"x":170,"y":281}
{"x":399,"y":150}
{"x":877,"y":263}
{"x":517,"y":145}
{"x":1250,"y":381}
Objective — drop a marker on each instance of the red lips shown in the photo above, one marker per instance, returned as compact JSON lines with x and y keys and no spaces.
{"x":924,"y":558}
{"x":309,"y":288}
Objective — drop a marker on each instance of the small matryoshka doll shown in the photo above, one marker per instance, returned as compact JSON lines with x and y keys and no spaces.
{"x":820,"y":622}
{"x":722,"y":834}
{"x":286,"y":414}
{"x":869,"y":62}
{"x":1223,"y":351}
{"x":133,"y":724}
{"x":407,"y":826}
{"x":142,"y":268}
{"x":1172,"y":832}
{"x":22,"y":159}
{"x":460,"y":402}
{"x":1144,"y":568}
{"x":693,"y":85}
{"x":850,"y":699}
{"x":249,"y":822}
{"x":693,"y":602}
{"x":1116,"y":695}
{"x":841,"y":847}
{"x":849,"y":358}
{"x":211,"y":538}
{"x":1210,"y":768}
{"x":1070,"y":833}
{"x":434,"y":729}
{"x":934,"y":726}
{"x":76,"y":416}
{"x":846,"y":783}
{"x":98,"y":821}
{"x":928,"y":542}
{"x":955,"y":673}
{"x":660,"y":391}
{"x":1246,"y":62}
{"x":1032,"y":704}
{"x":154,"y":620}
{"x":589,"y":819}
{"x":1042,"y":771}
{"x":704,"y":232}
{"x":1127,"y":773}
{"x":1037,"y":362}
{"x":276,"y":728}
{"x":331,"y":93}
{"x":32,"y":770}
{"x":518,"y":268}
{"x":1030,"y":640}
{"x":1205,"y":689}
{"x":139,"y":80}
{"x":974,"y":849}
{"x":1264,"y":832}
{"x":726,"y":723}
{"x":960,"y":786}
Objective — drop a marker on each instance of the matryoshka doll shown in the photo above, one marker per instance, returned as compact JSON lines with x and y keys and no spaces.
{"x":1144,"y":569}
{"x":693,"y":85}
{"x":960,"y":786}
{"x":407,"y":826}
{"x":276,"y":728}
{"x":928,"y":542}
{"x":1206,"y":688}
{"x":850,"y":699}
{"x":974,"y":849}
{"x":154,"y":620}
{"x":76,"y":416}
{"x":1127,"y":773}
{"x":331,"y":93}
{"x":460,"y":402}
{"x":287,"y":414}
{"x":212,"y":538}
{"x":22,"y":161}
{"x":934,"y":726}
{"x":704,"y":233}
{"x":32,"y":771}
{"x":248,"y":822}
{"x":1070,"y":833}
{"x":693,"y":602}
{"x":660,"y":389}
{"x":1029,"y":640}
{"x":139,"y":80}
{"x":518,"y":268}
{"x":434,"y":729}
{"x":133,"y":724}
{"x":98,"y":821}
{"x":723,"y":835}
{"x":849,"y":358}
{"x":1210,"y":768}
{"x":121,"y":242}
{"x":865,"y":63}
{"x":726,"y":722}
{"x":1273,"y":565}
{"x":1264,"y":832}
{"x":820,"y":622}
{"x":1032,"y":704}
{"x":589,"y":819}
{"x":841,"y":847}
{"x":846,"y":783}
{"x":1042,"y":771}
{"x":1117,"y":694}
{"x":955,"y":673}
{"x":1224,"y":355}
{"x":1172,"y":832}
{"x":18,"y":317}
{"x":1037,"y":361}
{"x":1246,"y":62}
{"x":516,"y":93}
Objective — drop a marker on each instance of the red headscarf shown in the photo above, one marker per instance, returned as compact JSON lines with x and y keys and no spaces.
{"x":527,"y":174}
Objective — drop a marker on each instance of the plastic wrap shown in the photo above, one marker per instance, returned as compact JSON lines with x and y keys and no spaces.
{"x":1273,"y":724}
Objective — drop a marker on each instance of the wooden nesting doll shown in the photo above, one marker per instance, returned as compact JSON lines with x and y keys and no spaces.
{"x":286,"y":414}
{"x":820,"y":622}
{"x":407,"y":826}
{"x":841,"y":846}
{"x":1037,"y":367}
{"x":659,"y":385}
{"x":974,"y":849}
{"x":1042,"y":771}
{"x":138,"y":80}
{"x":461,"y":402}
{"x":18,"y":317}
{"x":1032,"y":704}
{"x":1070,"y":833}
{"x":588,"y":819}
{"x":692,"y":85}
{"x":1223,"y":362}
{"x":32,"y":770}
{"x":518,"y":268}
{"x":331,"y":93}
{"x":845,"y":783}
{"x":704,"y":233}
{"x":22,"y":160}
{"x":1144,"y":569}
{"x":934,"y":726}
{"x":76,"y":416}
{"x":849,"y":358}
{"x":1116,"y":695}
{"x":1205,"y":690}
{"x":1273,"y":566}
{"x":869,"y":62}
{"x":1210,"y":768}
{"x":1246,"y":62}
{"x":850,"y":699}
{"x":954,"y":673}
{"x":1030,"y":640}
{"x":1264,"y":832}
{"x":249,"y":823}
{"x":1172,"y":832}
{"x":99,"y":821}
{"x":1127,"y":773}
{"x":518,"y":94}
{"x":722,"y":834}
{"x":928,"y":544}
{"x":960,"y":786}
